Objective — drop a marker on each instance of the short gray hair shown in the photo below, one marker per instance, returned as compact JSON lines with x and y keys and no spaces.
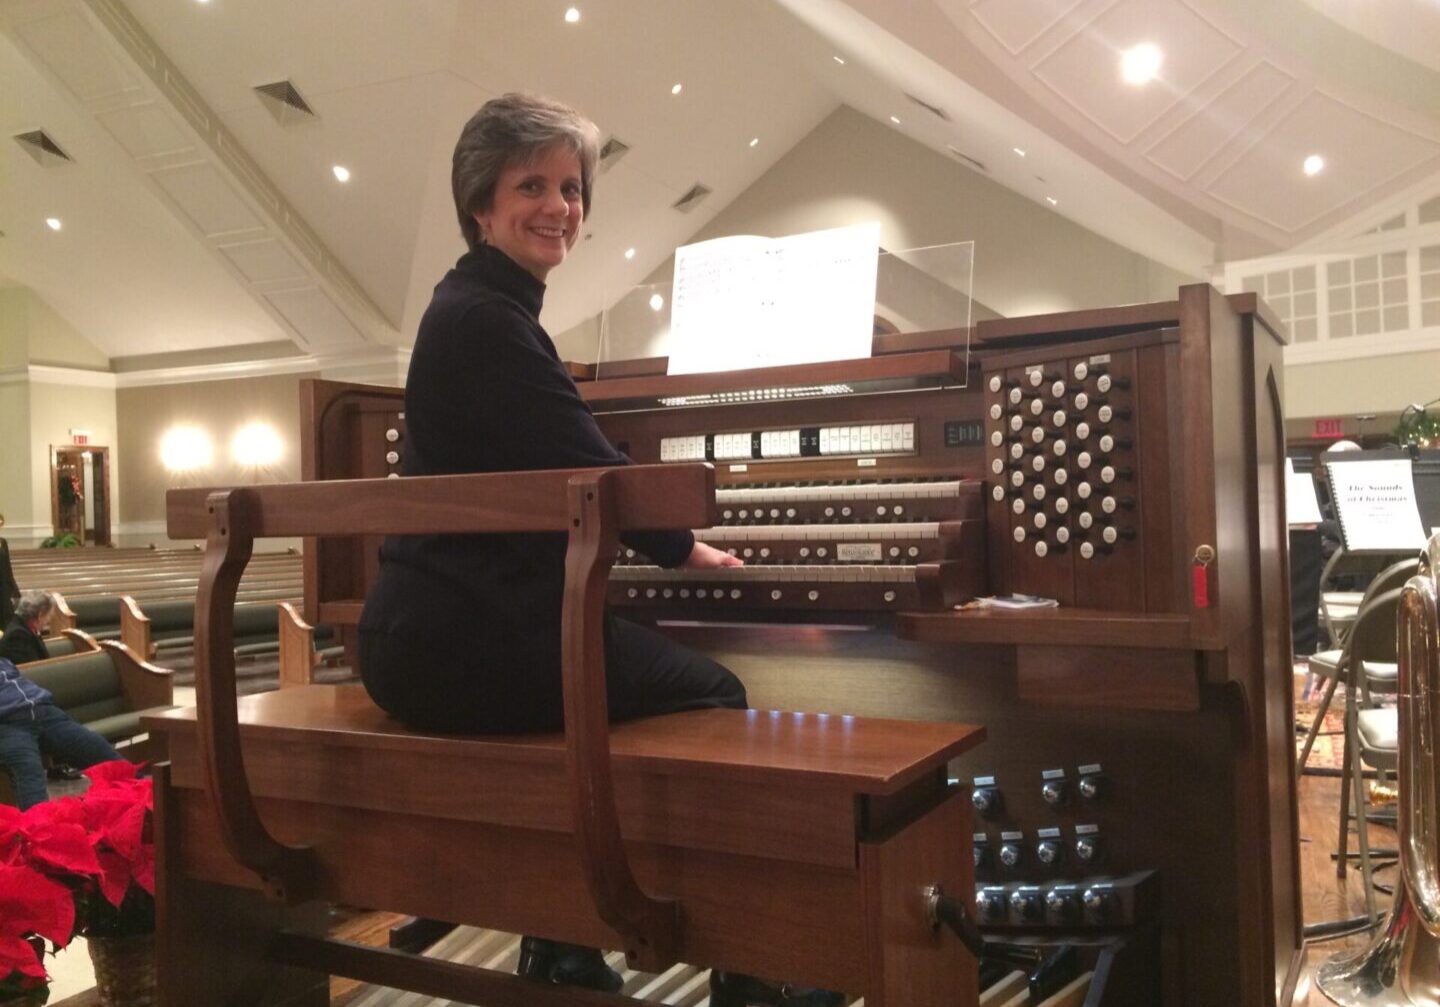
{"x":33,"y":605}
{"x":514,"y":129}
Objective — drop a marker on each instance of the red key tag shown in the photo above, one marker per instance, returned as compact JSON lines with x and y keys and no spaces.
{"x":1200,"y":576}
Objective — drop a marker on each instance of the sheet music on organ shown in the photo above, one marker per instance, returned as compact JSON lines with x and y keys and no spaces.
{"x":1375,"y":502}
{"x":747,"y":301}
{"x":1302,"y":506}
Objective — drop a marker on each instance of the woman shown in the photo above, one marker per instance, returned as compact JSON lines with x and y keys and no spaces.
{"x":462,"y":633}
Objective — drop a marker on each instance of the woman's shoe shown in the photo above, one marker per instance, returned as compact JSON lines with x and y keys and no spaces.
{"x":735,"y":989}
{"x":567,"y":964}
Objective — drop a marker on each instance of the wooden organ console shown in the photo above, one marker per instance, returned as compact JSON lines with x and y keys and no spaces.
{"x":1135,"y":797}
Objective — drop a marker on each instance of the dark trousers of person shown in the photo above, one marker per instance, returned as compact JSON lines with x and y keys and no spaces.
{"x":488,"y":688}
{"x":50,"y":731}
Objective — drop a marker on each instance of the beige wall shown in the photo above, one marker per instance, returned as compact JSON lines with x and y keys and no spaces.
{"x":55,"y":410}
{"x":220,"y":408}
{"x":851,"y":169}
{"x":1382,"y":385}
{"x":15,"y":501}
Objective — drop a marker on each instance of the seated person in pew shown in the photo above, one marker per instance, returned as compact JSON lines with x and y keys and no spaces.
{"x":462,"y":633}
{"x":31,"y":724}
{"x":23,"y":641}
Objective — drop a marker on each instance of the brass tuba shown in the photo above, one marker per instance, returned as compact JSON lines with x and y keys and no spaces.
{"x":1401,"y":967}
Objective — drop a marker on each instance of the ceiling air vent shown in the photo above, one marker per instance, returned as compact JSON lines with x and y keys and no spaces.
{"x":285,"y":103}
{"x":937,"y":112}
{"x":612,"y":151}
{"x":45,"y":151}
{"x":967,"y":160}
{"x":691,"y":199}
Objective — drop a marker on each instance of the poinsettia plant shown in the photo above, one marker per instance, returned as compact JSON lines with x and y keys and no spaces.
{"x":77,"y":865}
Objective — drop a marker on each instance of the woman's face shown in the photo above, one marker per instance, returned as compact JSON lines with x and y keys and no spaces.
{"x":536,"y":214}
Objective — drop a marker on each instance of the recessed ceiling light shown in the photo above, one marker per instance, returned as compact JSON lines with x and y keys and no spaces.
{"x":629,"y":253}
{"x":1018,"y":151}
{"x":572,"y":15}
{"x":677,"y":89}
{"x":656,"y":302}
{"x":53,"y":223}
{"x":342,"y":173}
{"x":1314,"y":164}
{"x":1140,"y":63}
{"x":754,"y":140}
{"x":837,"y":59}
{"x":1052,"y":200}
{"x":895,"y":120}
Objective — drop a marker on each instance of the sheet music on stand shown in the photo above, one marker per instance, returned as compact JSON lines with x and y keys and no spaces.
{"x":746,"y":301}
{"x":1375,"y":503}
{"x":1302,"y":506}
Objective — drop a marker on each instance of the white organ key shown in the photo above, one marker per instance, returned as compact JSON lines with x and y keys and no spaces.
{"x":908,"y":440}
{"x":734,"y":496}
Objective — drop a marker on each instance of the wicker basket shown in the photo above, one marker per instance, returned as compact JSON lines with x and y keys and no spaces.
{"x":125,"y":970}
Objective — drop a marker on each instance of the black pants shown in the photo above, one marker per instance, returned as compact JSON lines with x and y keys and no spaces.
{"x":505,"y":690}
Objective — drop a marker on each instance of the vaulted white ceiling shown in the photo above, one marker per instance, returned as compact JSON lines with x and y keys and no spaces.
{"x":193,"y":218}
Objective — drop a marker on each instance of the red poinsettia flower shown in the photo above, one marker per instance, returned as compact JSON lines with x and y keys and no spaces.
{"x":54,"y":838}
{"x":31,"y":903}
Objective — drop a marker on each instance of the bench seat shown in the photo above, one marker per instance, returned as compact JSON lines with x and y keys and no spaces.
{"x":803,"y":807}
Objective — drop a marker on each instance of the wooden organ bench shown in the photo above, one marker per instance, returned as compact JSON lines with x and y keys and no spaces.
{"x":788,"y":845}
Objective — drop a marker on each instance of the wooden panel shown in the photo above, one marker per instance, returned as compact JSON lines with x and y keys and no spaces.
{"x":1077,"y":627}
{"x":909,"y":962}
{"x":1126,"y":679}
{"x":472,"y":874}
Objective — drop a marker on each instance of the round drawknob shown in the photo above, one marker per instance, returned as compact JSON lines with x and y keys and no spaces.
{"x":1017,"y":451}
{"x":1019,"y":534}
{"x":734,"y":594}
{"x":813,"y":596}
{"x":1038,"y":463}
{"x":775,"y":595}
{"x":1040,"y":520}
{"x":633,"y":592}
{"x":1082,"y":401}
{"x":1037,"y":435}
{"x":1036,"y":407}
{"x":1081,"y":371}
{"x":1058,"y":389}
{"x":1050,"y":852}
{"x":996,"y":411}
{"x":1109,"y":535}
{"x":997,"y":438}
{"x":889,"y":596}
{"x":1054,"y":792}
{"x":392,"y":435}
{"x":987,"y":801}
{"x":392,"y":457}
{"x":668,"y":593}
{"x":1062,"y":534}
{"x":1038,"y":492}
{"x":995,"y":383}
{"x":1061,"y":477}
{"x":1060,"y":447}
{"x":1086,"y":519}
{"x":1107,"y":504}
{"x":1016,"y":422}
{"x":1017,"y":478}
{"x":1035,"y":377}
{"x":998,"y":493}
{"x":1064,"y":906}
{"x":1082,"y":430}
{"x":1041,"y":549}
{"x":1082,"y":490}
{"x":1107,"y":474}
{"x":1059,"y":418}
{"x":1018,"y":506}
{"x":1107,"y":443}
{"x":1087,"y":551}
{"x":1062,"y":505}
{"x":1087,"y":849}
{"x":1083,"y":459}
{"x":1011,"y":855}
{"x":1090,"y":786}
{"x":1015,"y":396}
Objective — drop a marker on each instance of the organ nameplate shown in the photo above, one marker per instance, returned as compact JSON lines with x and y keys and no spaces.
{"x":865,"y":463}
{"x":858,"y":552}
{"x":739,"y":468}
{"x":1100,"y":358}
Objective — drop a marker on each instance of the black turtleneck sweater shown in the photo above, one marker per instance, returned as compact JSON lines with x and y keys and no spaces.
{"x":486,"y":392}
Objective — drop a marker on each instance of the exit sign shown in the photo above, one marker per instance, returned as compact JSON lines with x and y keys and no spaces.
{"x":1329,"y":428}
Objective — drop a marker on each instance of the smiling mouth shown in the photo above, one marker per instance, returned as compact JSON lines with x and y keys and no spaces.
{"x":549,"y":232}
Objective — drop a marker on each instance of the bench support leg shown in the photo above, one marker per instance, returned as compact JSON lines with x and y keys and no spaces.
{"x":213,"y":942}
{"x":910,"y":963}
